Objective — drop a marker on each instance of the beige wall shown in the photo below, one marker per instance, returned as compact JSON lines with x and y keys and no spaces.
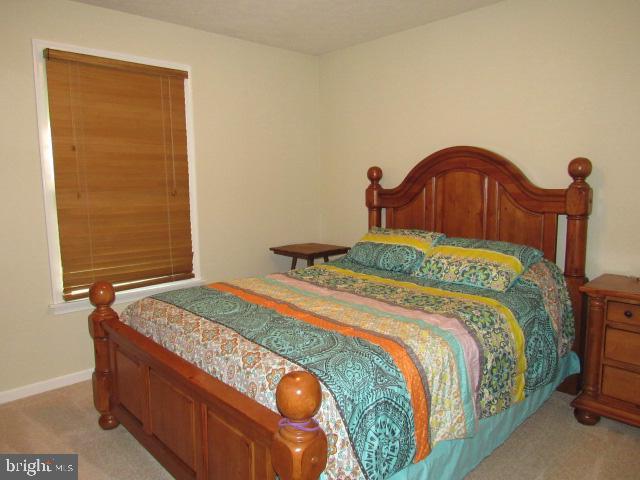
{"x":256,"y":144}
{"x":537,"y":81}
{"x":540,"y":82}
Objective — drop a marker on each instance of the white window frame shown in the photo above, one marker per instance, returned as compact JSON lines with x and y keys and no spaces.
{"x":58,"y":305}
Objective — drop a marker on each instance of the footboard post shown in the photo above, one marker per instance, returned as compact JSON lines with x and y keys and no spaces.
{"x":299,"y":449}
{"x":102,"y":296}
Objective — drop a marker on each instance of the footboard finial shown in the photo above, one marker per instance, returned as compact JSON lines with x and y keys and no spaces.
{"x":102,"y":296}
{"x":299,"y":449}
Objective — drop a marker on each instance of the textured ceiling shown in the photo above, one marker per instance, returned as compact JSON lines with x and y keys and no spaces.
{"x":308,"y":26}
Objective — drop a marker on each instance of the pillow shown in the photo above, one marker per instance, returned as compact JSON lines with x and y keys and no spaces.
{"x":478,"y":263}
{"x":399,"y":250}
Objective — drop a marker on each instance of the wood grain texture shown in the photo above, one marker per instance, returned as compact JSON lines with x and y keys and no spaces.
{"x":623,"y":346}
{"x":172,"y":416}
{"x":129,"y":372}
{"x":235,"y":453}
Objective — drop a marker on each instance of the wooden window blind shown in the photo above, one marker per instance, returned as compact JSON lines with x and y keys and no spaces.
{"x":121,"y":175}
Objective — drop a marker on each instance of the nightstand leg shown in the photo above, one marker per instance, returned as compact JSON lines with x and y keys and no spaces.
{"x":586,"y":418}
{"x":592,"y":361}
{"x":592,"y":364}
{"x":294,"y":262}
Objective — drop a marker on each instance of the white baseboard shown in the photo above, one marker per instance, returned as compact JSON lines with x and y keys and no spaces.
{"x":44,"y":386}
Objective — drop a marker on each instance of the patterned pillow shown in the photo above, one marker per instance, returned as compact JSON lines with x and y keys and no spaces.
{"x":399,"y":250}
{"x":478,"y":263}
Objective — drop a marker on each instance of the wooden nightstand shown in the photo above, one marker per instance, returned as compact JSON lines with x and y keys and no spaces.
{"x":309,"y":252}
{"x":612,"y":355}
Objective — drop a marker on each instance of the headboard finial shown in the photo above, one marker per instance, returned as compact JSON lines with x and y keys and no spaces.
{"x":374,"y":174}
{"x":579,"y":196}
{"x":580,"y":168}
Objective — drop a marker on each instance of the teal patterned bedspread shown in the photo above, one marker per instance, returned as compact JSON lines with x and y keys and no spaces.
{"x":404,"y":362}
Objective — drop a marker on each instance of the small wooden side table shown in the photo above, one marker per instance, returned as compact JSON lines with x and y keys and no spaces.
{"x":612,"y":357}
{"x":309,"y":252}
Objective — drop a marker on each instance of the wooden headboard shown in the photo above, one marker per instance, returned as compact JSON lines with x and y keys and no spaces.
{"x":474,"y":193}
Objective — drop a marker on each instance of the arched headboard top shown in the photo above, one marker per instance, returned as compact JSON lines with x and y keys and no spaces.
{"x":487,"y":163}
{"x":474,"y":193}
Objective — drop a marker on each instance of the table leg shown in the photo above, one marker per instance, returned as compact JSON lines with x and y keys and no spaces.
{"x":326,"y":258}
{"x":294,"y":262}
{"x":310,"y":262}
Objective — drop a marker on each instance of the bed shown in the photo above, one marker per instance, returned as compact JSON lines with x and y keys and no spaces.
{"x":151,"y":377}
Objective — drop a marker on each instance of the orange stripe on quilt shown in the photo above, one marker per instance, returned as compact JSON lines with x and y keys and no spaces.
{"x":400,"y":356}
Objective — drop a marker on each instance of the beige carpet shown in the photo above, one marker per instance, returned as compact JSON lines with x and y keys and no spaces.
{"x":550,"y":445}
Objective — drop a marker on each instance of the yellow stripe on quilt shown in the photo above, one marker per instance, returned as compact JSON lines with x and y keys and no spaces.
{"x":417,"y":243}
{"x":514,"y":327}
{"x":494,"y":257}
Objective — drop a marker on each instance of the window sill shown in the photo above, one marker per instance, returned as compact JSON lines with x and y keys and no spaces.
{"x":126,"y":296}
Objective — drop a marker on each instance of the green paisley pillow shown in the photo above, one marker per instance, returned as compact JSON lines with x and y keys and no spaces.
{"x":400,"y":250}
{"x":478,"y":263}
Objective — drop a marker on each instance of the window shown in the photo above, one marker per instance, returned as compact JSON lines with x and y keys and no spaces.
{"x":118,"y":132}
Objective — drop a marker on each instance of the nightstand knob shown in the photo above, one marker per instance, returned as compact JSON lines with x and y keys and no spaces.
{"x":628,"y":313}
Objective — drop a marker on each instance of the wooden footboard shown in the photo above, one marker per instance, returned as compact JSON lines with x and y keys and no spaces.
{"x":195,"y":425}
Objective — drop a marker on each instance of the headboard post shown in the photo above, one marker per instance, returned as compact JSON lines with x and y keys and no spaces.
{"x":374,"y":174}
{"x":578,"y":206}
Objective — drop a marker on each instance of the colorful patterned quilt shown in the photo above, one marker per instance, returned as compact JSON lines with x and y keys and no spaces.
{"x":404,"y":362}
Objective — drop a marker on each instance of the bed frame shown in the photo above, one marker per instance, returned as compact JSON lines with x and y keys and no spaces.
{"x":198,"y":427}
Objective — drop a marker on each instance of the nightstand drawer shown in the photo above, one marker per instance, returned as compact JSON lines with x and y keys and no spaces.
{"x":623,"y":312}
{"x":621,"y":384}
{"x":622,"y":346}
